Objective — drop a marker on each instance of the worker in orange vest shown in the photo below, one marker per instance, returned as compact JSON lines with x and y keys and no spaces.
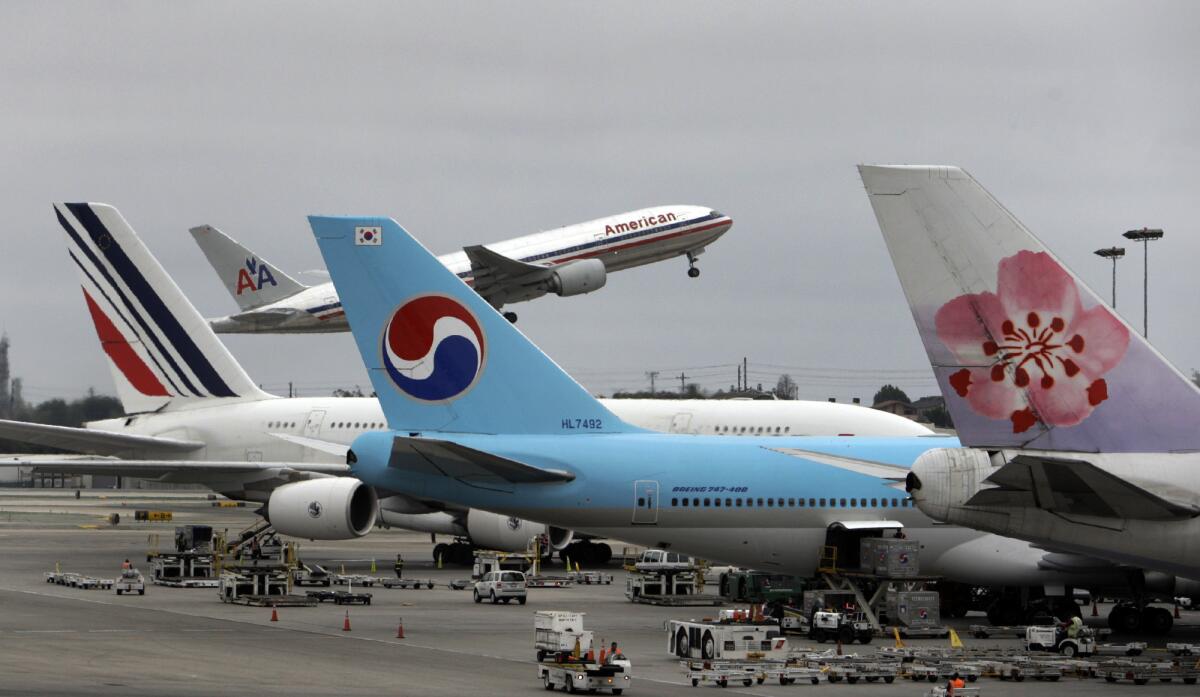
{"x":956,"y":682}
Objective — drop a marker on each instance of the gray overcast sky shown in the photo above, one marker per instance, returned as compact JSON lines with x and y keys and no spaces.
{"x":474,"y":122}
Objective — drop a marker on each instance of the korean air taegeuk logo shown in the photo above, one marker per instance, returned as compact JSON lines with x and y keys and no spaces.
{"x":433,"y":348}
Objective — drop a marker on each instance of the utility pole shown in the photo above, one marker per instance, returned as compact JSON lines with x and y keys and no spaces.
{"x":1113,"y":253}
{"x":1145,"y":236}
{"x":739,"y":378}
{"x":745,"y":374}
{"x":652,"y":374}
{"x":682,"y":383}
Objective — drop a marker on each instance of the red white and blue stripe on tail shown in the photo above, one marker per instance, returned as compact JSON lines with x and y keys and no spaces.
{"x":159,"y":347}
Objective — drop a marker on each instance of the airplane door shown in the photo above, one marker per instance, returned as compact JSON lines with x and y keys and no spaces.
{"x":312,"y":427}
{"x":645,"y":502}
{"x":681,"y":423}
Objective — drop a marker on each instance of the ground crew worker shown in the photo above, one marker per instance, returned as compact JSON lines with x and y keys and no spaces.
{"x":126,"y":566}
{"x":399,"y":565}
{"x":1074,"y":628}
{"x":956,"y":683}
{"x":615,"y":654}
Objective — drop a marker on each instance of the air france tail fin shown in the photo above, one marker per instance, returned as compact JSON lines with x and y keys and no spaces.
{"x":160,"y":350}
{"x":439,"y":356}
{"x":250,"y":279}
{"x":1026,"y":355}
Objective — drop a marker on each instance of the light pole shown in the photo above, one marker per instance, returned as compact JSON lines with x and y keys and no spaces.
{"x":1113,"y":253}
{"x":1145,"y":236}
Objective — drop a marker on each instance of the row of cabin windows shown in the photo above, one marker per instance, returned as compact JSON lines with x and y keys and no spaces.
{"x":339,"y":424}
{"x":790,"y":503}
{"x":752,"y":430}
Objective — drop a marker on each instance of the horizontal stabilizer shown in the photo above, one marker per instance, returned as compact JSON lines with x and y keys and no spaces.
{"x":321,"y":446}
{"x":1074,"y":487}
{"x":468,"y":465}
{"x":870,"y":468}
{"x":86,"y":440}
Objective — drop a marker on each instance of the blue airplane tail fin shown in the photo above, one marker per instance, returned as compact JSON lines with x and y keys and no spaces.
{"x":439,"y":356}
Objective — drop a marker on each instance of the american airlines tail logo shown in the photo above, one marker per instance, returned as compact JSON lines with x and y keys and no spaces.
{"x":254,"y":276}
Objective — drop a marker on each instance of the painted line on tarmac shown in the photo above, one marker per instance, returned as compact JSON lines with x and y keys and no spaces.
{"x":319,"y":633}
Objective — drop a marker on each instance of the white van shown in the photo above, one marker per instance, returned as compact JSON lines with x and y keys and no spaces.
{"x":501,"y":585}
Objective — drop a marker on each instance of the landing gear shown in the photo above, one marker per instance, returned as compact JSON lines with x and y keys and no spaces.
{"x":511,"y":317}
{"x":587,"y":553}
{"x":1128,"y":618}
{"x":459,"y":553}
{"x":693,"y":272}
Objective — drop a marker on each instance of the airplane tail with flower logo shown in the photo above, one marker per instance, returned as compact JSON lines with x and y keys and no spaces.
{"x":1025,"y":353}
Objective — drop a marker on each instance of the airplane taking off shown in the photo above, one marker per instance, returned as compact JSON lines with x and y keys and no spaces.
{"x":447,"y":369}
{"x":197,"y":417}
{"x":566,"y":261}
{"x":1083,"y":437}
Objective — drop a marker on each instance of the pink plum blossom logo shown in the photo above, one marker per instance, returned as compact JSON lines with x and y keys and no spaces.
{"x":1042,"y":355}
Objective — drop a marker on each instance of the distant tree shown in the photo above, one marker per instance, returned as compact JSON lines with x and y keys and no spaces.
{"x":786,"y":387}
{"x":356,"y":392}
{"x":888,"y":393}
{"x":940,"y":417}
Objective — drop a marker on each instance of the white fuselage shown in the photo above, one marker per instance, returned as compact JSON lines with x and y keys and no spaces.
{"x":620,"y":241}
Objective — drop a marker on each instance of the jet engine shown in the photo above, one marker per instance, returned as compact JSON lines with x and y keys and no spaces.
{"x":560,"y":537}
{"x":331,"y":508}
{"x":578,"y":277}
{"x":506,"y":533}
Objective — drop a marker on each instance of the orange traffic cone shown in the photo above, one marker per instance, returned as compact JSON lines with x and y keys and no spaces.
{"x":1094,"y":612}
{"x":274,"y":614}
{"x":346,"y":623}
{"x":400,"y":629}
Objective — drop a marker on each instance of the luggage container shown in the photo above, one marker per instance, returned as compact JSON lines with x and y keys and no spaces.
{"x":558,"y":634}
{"x":914,"y":609}
{"x":897,"y":558}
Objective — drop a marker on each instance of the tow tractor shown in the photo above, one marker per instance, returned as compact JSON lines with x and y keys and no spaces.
{"x":130,"y":581}
{"x":828,"y":624}
{"x":1056,"y":639}
{"x":566,"y":656}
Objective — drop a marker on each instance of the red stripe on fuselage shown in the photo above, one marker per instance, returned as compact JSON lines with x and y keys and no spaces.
{"x":638,"y":243}
{"x":122,"y":354}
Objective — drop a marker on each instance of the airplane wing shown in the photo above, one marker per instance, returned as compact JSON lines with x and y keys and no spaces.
{"x":1074,"y":487}
{"x":500,"y":279}
{"x":157,"y":468}
{"x":468,"y":465}
{"x":86,"y":440}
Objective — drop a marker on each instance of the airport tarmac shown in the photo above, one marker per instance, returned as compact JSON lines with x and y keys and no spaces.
{"x":59,"y":640}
